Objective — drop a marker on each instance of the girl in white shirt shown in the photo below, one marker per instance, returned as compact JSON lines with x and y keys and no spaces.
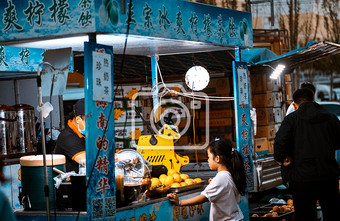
{"x":225,"y":189}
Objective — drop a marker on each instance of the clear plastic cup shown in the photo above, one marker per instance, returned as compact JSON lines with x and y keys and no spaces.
{"x":82,"y":167}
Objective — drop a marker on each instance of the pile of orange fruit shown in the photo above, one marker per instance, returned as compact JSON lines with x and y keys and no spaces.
{"x":173,"y":179}
{"x":279,"y":209}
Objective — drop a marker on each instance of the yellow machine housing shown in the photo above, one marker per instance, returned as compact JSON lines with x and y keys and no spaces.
{"x":163,"y":152}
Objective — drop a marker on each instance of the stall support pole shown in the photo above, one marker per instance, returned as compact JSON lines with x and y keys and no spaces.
{"x":155,"y":86}
{"x":243,"y":130}
{"x":46,"y":188}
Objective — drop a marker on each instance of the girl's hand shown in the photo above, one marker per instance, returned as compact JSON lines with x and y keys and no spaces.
{"x":210,"y":179}
{"x":173,"y":198}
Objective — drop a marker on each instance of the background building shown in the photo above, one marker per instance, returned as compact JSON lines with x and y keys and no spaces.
{"x":284,"y":25}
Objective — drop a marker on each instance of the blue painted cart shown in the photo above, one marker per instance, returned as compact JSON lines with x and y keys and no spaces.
{"x":153,"y":27}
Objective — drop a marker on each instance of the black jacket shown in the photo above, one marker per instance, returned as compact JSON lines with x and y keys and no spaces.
{"x":310,"y":135}
{"x":70,"y":145}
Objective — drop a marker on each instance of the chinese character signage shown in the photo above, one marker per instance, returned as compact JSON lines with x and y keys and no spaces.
{"x":242,"y":117}
{"x":37,"y":18}
{"x":17,"y":59}
{"x":172,"y":19}
{"x":243,"y":82}
{"x":100,"y":140}
{"x":20,"y":59}
{"x":102,"y":81}
{"x":155,"y":211}
{"x":176,"y":19}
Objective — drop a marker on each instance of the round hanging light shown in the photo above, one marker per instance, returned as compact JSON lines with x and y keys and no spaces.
{"x":197,"y":78}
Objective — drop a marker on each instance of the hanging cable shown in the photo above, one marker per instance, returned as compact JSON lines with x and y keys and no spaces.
{"x":194,"y":131}
{"x":123,"y":61}
{"x":51,"y":123}
{"x":166,"y":91}
{"x":111,"y":108}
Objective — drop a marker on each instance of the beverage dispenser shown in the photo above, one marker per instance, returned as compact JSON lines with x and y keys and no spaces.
{"x":26,"y":135}
{"x":7,"y":129}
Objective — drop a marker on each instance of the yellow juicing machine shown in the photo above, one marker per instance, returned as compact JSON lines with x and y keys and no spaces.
{"x":159,"y":149}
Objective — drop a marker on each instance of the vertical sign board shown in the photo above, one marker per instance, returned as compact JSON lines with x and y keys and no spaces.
{"x":243,"y":123}
{"x":101,"y":202}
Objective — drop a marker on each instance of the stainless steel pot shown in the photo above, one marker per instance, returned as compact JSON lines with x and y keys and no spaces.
{"x":26,"y":136}
{"x":7,"y":129}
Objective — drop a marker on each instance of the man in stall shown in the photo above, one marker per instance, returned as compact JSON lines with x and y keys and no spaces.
{"x":71,"y":141}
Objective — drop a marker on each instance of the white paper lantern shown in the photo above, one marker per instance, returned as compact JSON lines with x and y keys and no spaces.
{"x":197,"y":78}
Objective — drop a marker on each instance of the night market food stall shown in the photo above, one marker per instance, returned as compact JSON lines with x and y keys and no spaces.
{"x":123,"y":44}
{"x":118,"y":36}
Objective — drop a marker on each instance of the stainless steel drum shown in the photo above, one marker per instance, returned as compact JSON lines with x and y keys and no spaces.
{"x":26,"y":137}
{"x":7,"y":129}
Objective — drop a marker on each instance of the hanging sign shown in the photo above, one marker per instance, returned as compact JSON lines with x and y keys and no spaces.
{"x":102,"y":80}
{"x":242,"y":77}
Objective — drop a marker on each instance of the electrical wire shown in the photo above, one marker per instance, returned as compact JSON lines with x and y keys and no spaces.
{"x":160,"y":74}
{"x":123,"y":61}
{"x":194,"y":131}
{"x":51,"y":123}
{"x":111,"y":108}
{"x":189,"y":95}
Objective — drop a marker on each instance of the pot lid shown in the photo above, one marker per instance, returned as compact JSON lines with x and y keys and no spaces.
{"x":5,"y":107}
{"x":23,"y":107}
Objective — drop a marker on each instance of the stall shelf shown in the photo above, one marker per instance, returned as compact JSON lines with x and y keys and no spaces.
{"x":150,"y":28}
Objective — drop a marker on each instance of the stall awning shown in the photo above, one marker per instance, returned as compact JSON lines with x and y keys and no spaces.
{"x":182,"y":33}
{"x":313,"y":51}
{"x":154,"y":27}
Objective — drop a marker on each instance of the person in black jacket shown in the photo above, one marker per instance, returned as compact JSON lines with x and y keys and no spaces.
{"x":305,"y":147}
{"x":71,"y":140}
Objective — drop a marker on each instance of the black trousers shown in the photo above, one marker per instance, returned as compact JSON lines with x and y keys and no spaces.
{"x":306,"y":194}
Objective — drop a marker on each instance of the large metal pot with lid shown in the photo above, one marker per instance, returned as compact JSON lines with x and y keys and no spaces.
{"x":7,"y":129}
{"x":26,"y":136}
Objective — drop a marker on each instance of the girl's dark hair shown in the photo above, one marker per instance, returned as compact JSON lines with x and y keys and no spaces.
{"x":232,"y":159}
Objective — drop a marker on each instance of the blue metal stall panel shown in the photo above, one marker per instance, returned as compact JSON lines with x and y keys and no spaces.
{"x":100,"y":150}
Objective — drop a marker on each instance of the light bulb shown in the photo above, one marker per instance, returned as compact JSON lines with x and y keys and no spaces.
{"x":197,"y":78}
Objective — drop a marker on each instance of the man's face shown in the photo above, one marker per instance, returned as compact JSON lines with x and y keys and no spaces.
{"x":81,"y":122}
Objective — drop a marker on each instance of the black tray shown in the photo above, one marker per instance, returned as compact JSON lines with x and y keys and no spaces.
{"x":186,"y":188}
{"x":261,"y":211}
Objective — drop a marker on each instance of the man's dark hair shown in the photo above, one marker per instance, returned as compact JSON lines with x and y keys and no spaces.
{"x":303,"y":95}
{"x":79,"y":108}
{"x":308,"y":85}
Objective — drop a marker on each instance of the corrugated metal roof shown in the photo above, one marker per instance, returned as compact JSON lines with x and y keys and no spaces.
{"x":313,"y":51}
